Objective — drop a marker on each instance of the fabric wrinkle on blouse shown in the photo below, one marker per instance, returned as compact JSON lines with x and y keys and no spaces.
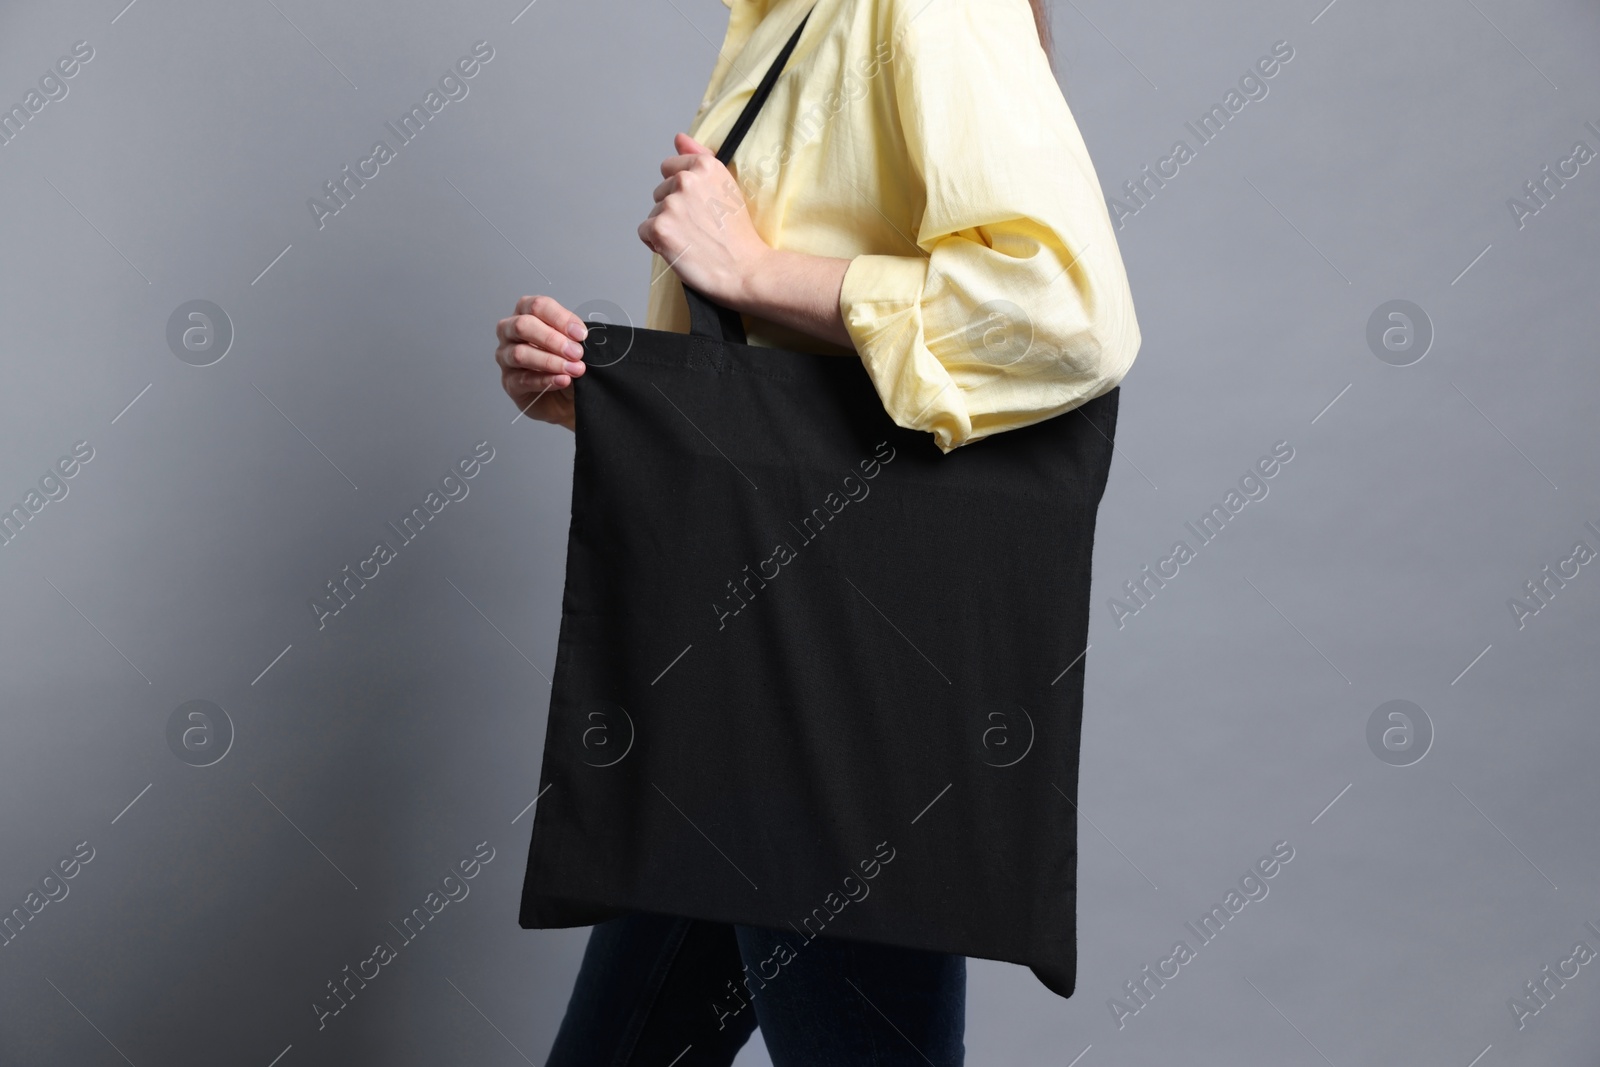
{"x":928,"y":142}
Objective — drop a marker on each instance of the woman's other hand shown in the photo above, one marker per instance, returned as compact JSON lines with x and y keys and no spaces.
{"x":539,"y":355}
{"x":701,"y":226}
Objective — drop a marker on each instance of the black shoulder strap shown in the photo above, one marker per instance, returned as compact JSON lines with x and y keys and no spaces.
{"x":707,"y":318}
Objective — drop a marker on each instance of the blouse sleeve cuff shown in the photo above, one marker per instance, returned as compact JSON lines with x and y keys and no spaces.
{"x":881,"y":304}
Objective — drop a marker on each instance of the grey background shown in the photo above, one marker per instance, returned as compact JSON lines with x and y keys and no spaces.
{"x":1227,"y":715}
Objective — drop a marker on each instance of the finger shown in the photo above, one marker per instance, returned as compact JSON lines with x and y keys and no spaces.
{"x":688,"y":146}
{"x":526,"y":305}
{"x":550,"y":310}
{"x":667,"y":188}
{"x":529,"y":358}
{"x":513,"y":357}
{"x":529,"y":329}
{"x":533,"y":383}
{"x":526,"y":396}
{"x":678,"y":164}
{"x":650,"y":233}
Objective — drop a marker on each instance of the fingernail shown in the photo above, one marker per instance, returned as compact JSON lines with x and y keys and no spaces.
{"x":577,"y":330}
{"x":574,"y":350}
{"x":574,"y":368}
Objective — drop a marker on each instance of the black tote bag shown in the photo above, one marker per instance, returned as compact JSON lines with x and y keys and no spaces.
{"x":812,"y":673}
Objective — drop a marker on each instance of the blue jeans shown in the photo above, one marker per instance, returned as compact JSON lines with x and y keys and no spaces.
{"x":663,"y":991}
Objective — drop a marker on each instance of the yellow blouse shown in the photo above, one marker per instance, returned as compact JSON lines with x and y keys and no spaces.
{"x":928,"y":142}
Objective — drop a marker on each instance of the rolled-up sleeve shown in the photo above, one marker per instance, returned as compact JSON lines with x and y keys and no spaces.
{"x":1017,"y":307}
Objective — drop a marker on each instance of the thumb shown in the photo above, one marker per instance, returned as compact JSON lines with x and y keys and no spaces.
{"x":688,"y":146}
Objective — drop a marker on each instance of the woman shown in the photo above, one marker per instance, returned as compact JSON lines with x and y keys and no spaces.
{"x":916,"y":195}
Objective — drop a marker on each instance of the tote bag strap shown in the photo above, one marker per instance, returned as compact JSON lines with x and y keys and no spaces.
{"x":707,"y":318}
